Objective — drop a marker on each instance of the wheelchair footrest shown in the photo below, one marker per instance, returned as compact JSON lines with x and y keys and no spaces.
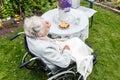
{"x":94,"y":57}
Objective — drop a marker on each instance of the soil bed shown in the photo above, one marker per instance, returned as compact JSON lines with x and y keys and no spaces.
{"x":9,"y":28}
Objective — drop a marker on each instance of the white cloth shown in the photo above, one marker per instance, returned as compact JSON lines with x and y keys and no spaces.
{"x":88,"y":11}
{"x":81,"y":54}
{"x":79,"y":24}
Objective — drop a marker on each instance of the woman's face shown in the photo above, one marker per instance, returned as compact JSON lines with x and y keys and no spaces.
{"x":46,"y":25}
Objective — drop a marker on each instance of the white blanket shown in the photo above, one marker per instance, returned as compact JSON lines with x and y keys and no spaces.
{"x":88,"y":11}
{"x":81,"y":54}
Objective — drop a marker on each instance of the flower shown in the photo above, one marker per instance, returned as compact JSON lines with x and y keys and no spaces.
{"x":64,"y":4}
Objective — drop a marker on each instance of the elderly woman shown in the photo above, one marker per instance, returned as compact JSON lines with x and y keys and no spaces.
{"x":52,"y":54}
{"x":55,"y":53}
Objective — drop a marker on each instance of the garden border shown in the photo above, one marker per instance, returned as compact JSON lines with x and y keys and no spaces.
{"x":107,"y":7}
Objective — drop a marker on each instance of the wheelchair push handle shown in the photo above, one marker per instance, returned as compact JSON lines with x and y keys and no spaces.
{"x":15,"y":36}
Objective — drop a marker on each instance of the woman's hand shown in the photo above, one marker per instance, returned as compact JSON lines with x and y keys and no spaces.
{"x":66,"y":47}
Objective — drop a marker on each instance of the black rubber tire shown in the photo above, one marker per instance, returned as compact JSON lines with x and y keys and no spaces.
{"x":67,"y":76}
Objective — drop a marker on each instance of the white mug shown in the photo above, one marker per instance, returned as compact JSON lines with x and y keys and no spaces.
{"x":75,"y":3}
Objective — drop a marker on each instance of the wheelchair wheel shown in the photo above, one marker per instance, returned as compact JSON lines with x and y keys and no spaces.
{"x":67,"y":76}
{"x":33,"y":65}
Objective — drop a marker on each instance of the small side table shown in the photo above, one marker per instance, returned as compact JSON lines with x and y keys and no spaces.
{"x":79,"y":25}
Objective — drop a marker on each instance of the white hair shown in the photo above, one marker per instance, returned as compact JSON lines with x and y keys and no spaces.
{"x":33,"y":25}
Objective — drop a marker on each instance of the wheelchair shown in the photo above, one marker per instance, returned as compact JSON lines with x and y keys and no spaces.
{"x":33,"y":62}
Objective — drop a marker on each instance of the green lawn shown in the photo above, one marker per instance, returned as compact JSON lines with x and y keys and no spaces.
{"x":104,"y":37}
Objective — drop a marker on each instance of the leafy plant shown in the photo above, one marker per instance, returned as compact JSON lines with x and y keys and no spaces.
{"x":7,"y":10}
{"x":25,"y":7}
{"x":116,"y":3}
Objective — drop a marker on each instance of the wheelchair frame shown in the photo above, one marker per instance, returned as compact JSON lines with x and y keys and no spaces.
{"x":35,"y":63}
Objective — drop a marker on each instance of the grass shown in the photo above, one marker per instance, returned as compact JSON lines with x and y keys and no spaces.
{"x":103,"y":36}
{"x":105,"y":39}
{"x":11,"y":53}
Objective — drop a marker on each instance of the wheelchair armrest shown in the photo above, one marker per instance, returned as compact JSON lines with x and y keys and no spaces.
{"x":27,"y":62}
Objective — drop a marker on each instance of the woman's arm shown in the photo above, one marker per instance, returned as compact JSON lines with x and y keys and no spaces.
{"x":54,"y":56}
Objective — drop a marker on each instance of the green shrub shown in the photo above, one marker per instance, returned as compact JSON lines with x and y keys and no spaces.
{"x":116,"y":3}
{"x":7,"y":10}
{"x":27,"y":7}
